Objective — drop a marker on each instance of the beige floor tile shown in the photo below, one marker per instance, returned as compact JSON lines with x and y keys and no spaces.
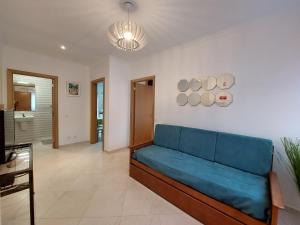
{"x":44,"y":200}
{"x":100,"y":221}
{"x":177,"y":219}
{"x":62,"y":221}
{"x":105,"y":203}
{"x":70,"y":205}
{"x":136,"y":220}
{"x":137,"y":202}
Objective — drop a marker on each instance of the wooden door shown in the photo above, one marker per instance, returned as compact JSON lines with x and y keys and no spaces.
{"x":143,"y":112}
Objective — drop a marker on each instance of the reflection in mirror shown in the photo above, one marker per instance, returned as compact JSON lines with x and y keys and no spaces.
{"x":24,"y":96}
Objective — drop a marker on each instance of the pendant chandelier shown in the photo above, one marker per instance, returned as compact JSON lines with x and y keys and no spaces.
{"x":127,"y":35}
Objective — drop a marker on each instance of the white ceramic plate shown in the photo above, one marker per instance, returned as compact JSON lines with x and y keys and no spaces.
{"x":208,"y":98}
{"x":209,"y":83}
{"x":225,"y":81}
{"x":224,"y":98}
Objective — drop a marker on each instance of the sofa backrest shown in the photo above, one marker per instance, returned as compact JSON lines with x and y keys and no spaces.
{"x":249,"y":154}
{"x":199,"y":143}
{"x":167,"y":136}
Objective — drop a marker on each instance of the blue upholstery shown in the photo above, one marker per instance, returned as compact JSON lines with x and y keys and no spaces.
{"x":244,"y":191}
{"x":167,"y":136}
{"x":250,"y":154}
{"x":200,"y":143}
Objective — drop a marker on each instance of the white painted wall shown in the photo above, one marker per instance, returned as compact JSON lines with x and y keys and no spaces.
{"x":73,"y":111}
{"x":100,"y":68}
{"x":1,"y":60}
{"x":118,"y":107}
{"x":117,"y":92}
{"x":264,"y":56}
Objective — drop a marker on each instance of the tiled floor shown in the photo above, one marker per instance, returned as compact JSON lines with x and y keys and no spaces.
{"x":80,"y":185}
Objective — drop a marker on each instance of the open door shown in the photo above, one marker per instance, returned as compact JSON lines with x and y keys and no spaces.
{"x":142,"y":110}
{"x":11,"y":95}
{"x":97,"y":111}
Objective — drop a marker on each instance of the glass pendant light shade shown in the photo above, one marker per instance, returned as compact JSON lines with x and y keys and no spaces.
{"x":127,"y":36}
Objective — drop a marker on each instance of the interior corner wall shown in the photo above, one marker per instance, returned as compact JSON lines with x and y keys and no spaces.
{"x":73,"y":112}
{"x":118,"y":104}
{"x":264,"y":56}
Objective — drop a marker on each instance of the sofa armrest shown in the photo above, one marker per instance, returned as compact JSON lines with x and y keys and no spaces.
{"x":275,"y":191}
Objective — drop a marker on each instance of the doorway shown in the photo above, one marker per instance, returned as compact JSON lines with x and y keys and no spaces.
{"x":21,"y":96}
{"x":142,"y":110}
{"x":97,"y":111}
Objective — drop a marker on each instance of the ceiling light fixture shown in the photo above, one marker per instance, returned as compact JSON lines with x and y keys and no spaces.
{"x":62,"y":47}
{"x":127,"y":35}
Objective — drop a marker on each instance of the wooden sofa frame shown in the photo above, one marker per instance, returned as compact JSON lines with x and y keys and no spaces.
{"x":203,"y":208}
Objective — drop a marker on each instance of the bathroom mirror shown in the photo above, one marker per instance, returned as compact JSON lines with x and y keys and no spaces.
{"x":24,"y":97}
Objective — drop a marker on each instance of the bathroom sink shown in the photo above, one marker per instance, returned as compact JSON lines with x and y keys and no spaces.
{"x":23,"y":119}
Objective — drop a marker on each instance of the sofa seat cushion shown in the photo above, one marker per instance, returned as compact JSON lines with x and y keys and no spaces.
{"x":244,"y":191}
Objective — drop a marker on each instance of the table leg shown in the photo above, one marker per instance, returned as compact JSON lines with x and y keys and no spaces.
{"x":31,"y":198}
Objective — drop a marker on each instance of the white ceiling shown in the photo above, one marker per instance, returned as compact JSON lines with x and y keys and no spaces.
{"x":43,"y":25}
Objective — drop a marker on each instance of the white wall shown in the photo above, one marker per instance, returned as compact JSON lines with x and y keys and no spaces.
{"x":99,"y":68}
{"x":264,"y":56}
{"x":118,"y":107}
{"x":1,"y":60}
{"x":117,"y":92}
{"x":73,"y":111}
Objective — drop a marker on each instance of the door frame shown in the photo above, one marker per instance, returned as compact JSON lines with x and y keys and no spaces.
{"x":132,"y":105}
{"x":93,"y":127}
{"x":10,"y":98}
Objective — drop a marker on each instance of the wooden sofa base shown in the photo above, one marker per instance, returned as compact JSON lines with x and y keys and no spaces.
{"x":203,"y":208}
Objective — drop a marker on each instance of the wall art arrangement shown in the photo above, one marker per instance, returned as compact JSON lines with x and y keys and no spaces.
{"x":214,"y":90}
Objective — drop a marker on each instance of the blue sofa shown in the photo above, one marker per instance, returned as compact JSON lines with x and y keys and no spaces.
{"x":229,"y":168}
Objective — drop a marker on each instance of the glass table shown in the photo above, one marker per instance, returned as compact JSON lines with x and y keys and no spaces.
{"x":11,"y":174}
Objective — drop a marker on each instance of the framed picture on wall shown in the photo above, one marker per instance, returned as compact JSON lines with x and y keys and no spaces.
{"x":73,"y":89}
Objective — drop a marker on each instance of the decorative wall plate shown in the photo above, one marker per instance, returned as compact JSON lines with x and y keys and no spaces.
{"x":224,"y":98}
{"x":195,"y":84}
{"x":183,"y":85}
{"x":182,"y":99}
{"x":194,"y":99}
{"x":208,"y":98}
{"x":225,"y":81}
{"x":209,"y":83}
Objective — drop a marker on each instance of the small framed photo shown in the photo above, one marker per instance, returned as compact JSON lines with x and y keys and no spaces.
{"x":73,"y":89}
